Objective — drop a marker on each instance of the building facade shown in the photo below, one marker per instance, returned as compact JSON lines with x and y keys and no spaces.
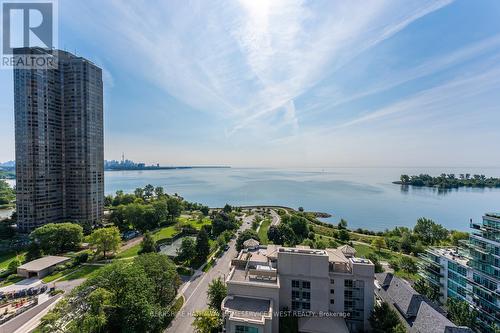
{"x":59,"y":141}
{"x":329,"y":290}
{"x":470,"y":272}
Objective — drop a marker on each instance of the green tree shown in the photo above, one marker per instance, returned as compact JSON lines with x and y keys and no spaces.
{"x":34,"y":251}
{"x":159,"y":191}
{"x":123,"y":296}
{"x":344,"y":235}
{"x":407,"y":243}
{"x":321,"y":244}
{"x":299,"y":227}
{"x":379,"y":243}
{"x":202,"y":245}
{"x":206,"y":321}
{"x":13,"y":265}
{"x":408,"y":264}
{"x":106,"y":240}
{"x":174,"y":208}
{"x":148,"y":244}
{"x":460,"y":313}
{"x":342,"y":224}
{"x":139,"y":192}
{"x":163,"y":275}
{"x":205,"y":210}
{"x":227,"y":208}
{"x":288,"y":236}
{"x":54,"y":238}
{"x":429,"y":232}
{"x":217,"y":291}
{"x":149,"y":190}
{"x":222,"y":222}
{"x":383,"y":319}
{"x":456,"y":236}
{"x":374,"y":259}
{"x":274,"y":235}
{"x":94,"y":318}
{"x":423,"y":287}
{"x":7,"y":231}
{"x":187,"y":250}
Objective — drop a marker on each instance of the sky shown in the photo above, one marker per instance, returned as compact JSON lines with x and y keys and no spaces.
{"x":289,"y":83}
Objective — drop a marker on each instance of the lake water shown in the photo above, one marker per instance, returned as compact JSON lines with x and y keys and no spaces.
{"x":365,"y":197}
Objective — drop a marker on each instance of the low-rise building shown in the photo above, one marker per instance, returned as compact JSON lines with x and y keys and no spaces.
{"x":325,"y":288}
{"x":418,"y":313}
{"x":41,"y":267}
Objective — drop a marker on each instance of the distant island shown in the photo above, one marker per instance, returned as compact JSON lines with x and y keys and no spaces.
{"x":449,"y":181}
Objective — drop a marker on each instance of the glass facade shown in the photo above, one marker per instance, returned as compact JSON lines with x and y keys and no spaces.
{"x":475,"y":280}
{"x":354,"y":291}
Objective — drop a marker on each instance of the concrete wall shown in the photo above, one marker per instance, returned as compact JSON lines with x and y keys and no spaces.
{"x":258,"y":290}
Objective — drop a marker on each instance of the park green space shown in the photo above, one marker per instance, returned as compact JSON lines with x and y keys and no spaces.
{"x":264,"y":227}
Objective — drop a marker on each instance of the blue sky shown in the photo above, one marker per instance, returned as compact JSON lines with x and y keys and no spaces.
{"x":290,"y":83}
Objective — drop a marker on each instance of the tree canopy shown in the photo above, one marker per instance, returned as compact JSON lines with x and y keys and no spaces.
{"x":121,"y":297}
{"x":54,"y":238}
{"x":106,"y":240}
{"x":246,"y":235}
{"x":383,"y":319}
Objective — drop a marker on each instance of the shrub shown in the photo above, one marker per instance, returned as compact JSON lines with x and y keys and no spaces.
{"x":82,"y":257}
{"x":408,"y":265}
{"x":394,"y":264}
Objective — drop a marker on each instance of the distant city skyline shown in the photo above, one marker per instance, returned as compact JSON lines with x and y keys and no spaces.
{"x":289,"y":84}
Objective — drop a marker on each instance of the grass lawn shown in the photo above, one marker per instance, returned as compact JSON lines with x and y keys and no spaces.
{"x":264,"y":227}
{"x":56,"y":275}
{"x":175,"y":308}
{"x":407,"y":276}
{"x":164,"y":233}
{"x":83,"y":272}
{"x":130,"y":252}
{"x":208,"y":265}
{"x":6,"y":258}
{"x":362,"y":250}
{"x":167,"y":232}
{"x":16,"y":279}
{"x":183,"y":220}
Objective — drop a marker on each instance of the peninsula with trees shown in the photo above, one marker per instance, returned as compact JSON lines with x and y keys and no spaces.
{"x":449,"y":180}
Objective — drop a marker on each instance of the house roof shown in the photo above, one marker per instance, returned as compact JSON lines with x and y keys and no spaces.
{"x":404,"y":297}
{"x":42,"y":263}
{"x":429,"y":320}
{"x":421,"y":314}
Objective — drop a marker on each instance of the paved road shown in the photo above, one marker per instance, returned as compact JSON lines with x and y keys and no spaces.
{"x":276,"y":217}
{"x":195,"y":293}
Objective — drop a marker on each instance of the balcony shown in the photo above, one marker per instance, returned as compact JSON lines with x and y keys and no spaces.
{"x":435,"y":280}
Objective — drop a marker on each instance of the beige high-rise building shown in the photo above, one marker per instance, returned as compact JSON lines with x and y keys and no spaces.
{"x":59,"y":141}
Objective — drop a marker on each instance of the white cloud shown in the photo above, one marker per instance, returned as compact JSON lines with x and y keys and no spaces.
{"x":247,"y":60}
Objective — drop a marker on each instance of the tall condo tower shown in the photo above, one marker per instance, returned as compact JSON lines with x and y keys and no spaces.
{"x":59,"y":141}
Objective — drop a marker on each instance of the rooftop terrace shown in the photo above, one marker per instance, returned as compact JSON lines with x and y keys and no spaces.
{"x":247,"y":308}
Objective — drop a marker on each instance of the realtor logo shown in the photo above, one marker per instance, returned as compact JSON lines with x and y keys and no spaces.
{"x":27,"y":24}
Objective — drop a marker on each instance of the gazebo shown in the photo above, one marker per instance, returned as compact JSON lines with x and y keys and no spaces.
{"x":251,"y":244}
{"x":348,"y":251}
